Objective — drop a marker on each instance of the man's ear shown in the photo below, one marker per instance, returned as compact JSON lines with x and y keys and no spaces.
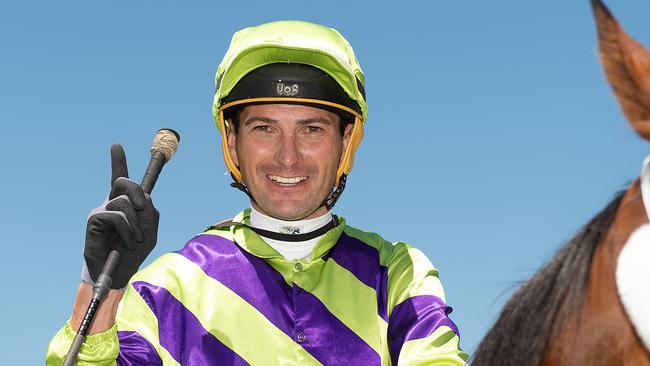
{"x":232,"y":143}
{"x":347,"y":134}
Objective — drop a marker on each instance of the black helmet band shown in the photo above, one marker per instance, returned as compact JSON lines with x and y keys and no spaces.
{"x":288,"y":81}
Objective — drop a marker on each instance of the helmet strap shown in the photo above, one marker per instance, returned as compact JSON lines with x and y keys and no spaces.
{"x":330,"y":201}
{"x":241,"y":187}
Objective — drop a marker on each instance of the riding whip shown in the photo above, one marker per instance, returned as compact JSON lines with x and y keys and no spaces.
{"x":163,"y":148}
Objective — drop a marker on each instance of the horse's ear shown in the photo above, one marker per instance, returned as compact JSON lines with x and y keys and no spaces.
{"x":627,"y":66}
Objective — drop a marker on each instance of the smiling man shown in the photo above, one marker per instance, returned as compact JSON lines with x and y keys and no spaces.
{"x":289,"y":156}
{"x":285,"y":282}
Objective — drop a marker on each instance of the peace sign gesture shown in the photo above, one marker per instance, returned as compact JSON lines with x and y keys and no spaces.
{"x":127,"y":222}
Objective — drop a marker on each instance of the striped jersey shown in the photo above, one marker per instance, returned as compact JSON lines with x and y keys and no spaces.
{"x":228,"y":298}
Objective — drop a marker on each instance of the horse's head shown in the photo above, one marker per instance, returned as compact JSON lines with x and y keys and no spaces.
{"x":590,"y":304}
{"x":622,"y":259}
{"x":605,"y":328}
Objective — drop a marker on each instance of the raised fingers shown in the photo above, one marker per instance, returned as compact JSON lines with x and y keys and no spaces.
{"x":118,"y":163}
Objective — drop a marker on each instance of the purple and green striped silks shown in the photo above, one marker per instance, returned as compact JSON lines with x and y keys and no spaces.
{"x":216,"y":302}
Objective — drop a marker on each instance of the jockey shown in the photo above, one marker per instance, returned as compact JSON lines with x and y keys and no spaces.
{"x":284,"y":282}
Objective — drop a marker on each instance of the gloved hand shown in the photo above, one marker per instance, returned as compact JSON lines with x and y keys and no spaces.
{"x":127,"y":222}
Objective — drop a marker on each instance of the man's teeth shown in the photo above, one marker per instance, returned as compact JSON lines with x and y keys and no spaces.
{"x":285,"y":180}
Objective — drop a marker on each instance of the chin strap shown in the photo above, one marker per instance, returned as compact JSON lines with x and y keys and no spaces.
{"x":329,"y":202}
{"x":241,"y":187}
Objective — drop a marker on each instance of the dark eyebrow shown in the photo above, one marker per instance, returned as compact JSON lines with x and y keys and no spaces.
{"x":315,"y":120}
{"x":259,"y":119}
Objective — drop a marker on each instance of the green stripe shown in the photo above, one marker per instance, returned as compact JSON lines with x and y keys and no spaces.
{"x":350,"y":300}
{"x":410,"y":273}
{"x":384,"y":351}
{"x":440,"y":348}
{"x":238,"y":324}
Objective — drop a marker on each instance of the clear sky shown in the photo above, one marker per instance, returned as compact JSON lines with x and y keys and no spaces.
{"x":492,"y":135}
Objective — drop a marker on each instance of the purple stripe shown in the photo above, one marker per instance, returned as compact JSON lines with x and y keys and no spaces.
{"x":250,"y":277}
{"x":181,"y":333}
{"x":362,"y":260}
{"x":415,"y":318}
{"x":135,"y":350}
{"x":257,"y":282}
{"x":327,"y":338}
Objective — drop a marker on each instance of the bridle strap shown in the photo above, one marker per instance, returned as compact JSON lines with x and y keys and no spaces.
{"x":645,"y":185}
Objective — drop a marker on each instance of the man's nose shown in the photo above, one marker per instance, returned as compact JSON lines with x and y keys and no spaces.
{"x":288,"y":152}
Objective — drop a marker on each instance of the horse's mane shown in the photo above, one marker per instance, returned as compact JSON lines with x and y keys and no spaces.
{"x":521,"y":334}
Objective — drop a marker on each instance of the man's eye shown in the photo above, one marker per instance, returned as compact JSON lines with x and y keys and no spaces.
{"x":262,"y":128}
{"x":314,"y":129}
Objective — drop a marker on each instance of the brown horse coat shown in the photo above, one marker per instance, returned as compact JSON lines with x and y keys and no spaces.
{"x":570,"y":313}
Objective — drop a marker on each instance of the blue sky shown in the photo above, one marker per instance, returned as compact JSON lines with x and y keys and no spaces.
{"x":492,"y":135}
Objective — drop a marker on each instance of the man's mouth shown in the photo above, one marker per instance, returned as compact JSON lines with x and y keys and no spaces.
{"x":286,"y":181}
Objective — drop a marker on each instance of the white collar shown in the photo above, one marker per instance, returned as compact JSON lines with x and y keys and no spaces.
{"x":301,"y":250}
{"x":265,"y":222}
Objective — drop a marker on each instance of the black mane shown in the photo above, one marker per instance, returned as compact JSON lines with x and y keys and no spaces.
{"x":521,"y":334}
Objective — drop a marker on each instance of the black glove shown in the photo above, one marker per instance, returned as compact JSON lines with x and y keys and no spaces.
{"x":127,"y":222}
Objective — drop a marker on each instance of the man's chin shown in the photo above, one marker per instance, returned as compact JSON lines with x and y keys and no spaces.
{"x":288,"y":212}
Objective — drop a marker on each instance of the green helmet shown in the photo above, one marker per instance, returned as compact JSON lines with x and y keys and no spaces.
{"x":312,"y":54}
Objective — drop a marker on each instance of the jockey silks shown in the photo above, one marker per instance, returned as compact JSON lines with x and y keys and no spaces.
{"x":229,"y":298}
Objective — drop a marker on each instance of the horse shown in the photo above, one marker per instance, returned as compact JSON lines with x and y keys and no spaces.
{"x":590,"y":303}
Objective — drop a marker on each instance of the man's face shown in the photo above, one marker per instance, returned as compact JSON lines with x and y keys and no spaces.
{"x":288,"y":155}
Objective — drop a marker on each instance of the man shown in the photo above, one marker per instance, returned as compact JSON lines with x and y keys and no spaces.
{"x":285,"y":282}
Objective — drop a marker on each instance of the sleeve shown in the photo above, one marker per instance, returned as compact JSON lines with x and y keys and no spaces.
{"x":123,"y":344}
{"x":145,"y":324}
{"x":99,"y":349}
{"x":420,"y":331}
